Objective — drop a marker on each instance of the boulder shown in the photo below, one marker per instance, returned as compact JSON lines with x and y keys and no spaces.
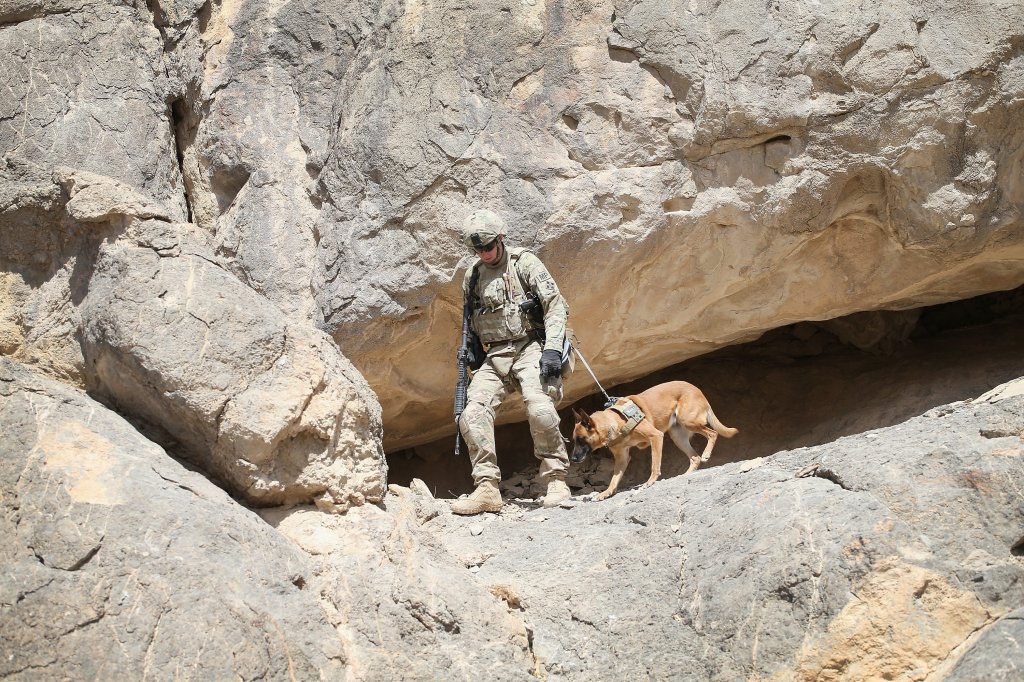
{"x":268,"y":406}
{"x":692,"y":175}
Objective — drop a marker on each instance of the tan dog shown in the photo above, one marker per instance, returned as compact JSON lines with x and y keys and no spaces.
{"x":675,"y":407}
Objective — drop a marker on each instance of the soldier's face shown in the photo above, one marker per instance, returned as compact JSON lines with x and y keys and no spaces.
{"x":491,"y":253}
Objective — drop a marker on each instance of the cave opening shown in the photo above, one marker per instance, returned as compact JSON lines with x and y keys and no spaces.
{"x":799,"y":385}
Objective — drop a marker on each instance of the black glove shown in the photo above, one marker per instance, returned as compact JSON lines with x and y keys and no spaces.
{"x":550,"y":363}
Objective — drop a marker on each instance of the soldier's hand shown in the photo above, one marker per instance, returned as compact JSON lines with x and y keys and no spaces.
{"x":550,"y":363}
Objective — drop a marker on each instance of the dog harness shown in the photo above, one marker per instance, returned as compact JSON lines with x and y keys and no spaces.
{"x":629,"y":411}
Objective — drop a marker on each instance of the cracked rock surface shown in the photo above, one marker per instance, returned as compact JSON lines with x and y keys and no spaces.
{"x":895,"y":554}
{"x":692,"y":174}
{"x":119,"y":563}
{"x":892,"y":554}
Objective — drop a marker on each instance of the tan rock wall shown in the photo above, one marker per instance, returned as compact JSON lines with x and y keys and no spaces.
{"x":692,"y":175}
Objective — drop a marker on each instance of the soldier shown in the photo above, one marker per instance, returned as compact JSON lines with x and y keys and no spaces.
{"x":524,"y":353}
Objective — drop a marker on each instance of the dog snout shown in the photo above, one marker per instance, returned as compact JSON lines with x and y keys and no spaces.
{"x":579,"y":452}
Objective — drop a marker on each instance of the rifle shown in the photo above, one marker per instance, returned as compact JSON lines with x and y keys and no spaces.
{"x":463,"y":385}
{"x":470,"y":356}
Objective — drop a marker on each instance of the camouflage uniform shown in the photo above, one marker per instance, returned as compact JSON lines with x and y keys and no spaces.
{"x":513,"y":361}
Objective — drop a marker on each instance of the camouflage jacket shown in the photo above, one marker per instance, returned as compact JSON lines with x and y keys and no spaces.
{"x":499,"y":292}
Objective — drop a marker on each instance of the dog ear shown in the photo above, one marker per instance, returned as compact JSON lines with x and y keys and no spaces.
{"x":583,"y":417}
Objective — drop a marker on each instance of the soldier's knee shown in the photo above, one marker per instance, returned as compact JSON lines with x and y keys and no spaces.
{"x":542,"y":413}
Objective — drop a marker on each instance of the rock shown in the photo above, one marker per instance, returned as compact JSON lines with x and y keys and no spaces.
{"x":761,"y":574}
{"x":417,"y":499}
{"x":762,"y":169}
{"x":86,"y":89}
{"x":996,"y":655}
{"x":97,"y":198}
{"x":355,"y":137}
{"x":404,"y":607}
{"x":269,"y":407}
{"x":104,"y":533}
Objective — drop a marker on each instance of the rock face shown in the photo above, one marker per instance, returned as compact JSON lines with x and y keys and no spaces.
{"x":406,"y":608}
{"x":693,"y":175}
{"x":120,"y":563}
{"x":117,"y":562}
{"x":893,"y":554}
{"x":198,"y":200}
{"x":107,"y":292}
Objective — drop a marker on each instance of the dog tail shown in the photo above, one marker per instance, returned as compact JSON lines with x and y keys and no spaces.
{"x":722,"y":429}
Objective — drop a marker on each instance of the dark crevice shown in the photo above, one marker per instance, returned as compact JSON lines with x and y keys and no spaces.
{"x":181,"y":132}
{"x":84,"y":624}
{"x":177,"y":483}
{"x":1017,"y":549}
{"x":86,"y":559}
{"x":830,"y":475}
{"x":73,"y":567}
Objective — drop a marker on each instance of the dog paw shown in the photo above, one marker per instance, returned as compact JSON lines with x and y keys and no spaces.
{"x":646,"y":485}
{"x":603,"y":496}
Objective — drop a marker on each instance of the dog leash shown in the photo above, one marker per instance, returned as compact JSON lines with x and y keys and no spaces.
{"x":611,"y":401}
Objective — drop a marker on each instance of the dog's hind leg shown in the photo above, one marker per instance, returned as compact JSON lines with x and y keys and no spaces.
{"x":681,"y":437}
{"x":712,"y":436}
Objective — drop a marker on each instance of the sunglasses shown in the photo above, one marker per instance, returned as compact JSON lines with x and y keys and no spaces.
{"x":486,"y":247}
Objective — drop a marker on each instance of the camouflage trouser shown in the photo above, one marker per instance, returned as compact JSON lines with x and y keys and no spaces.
{"x":513,"y":366}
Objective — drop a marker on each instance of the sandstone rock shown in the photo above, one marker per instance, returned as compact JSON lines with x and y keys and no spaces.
{"x":85,"y":87}
{"x":97,"y":198}
{"x":45,"y":258}
{"x":711,"y":173}
{"x":997,"y":654}
{"x":692,"y":176}
{"x":268,"y":406}
{"x":117,"y":562}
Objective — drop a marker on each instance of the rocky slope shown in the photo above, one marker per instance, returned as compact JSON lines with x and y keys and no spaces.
{"x":228,"y":281}
{"x":894,"y":554}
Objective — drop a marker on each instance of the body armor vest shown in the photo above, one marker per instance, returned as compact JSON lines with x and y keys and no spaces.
{"x":500,"y":293}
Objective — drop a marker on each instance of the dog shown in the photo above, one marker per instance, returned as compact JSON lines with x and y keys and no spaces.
{"x":676,"y":407}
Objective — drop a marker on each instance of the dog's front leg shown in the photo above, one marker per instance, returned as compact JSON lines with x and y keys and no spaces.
{"x":621,"y":462}
{"x":657,"y":441}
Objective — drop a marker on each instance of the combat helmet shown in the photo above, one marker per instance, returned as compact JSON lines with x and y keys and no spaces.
{"x":481,"y":228}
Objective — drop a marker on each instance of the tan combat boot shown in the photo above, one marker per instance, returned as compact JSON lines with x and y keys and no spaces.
{"x":486,"y":498}
{"x":558,"y":492}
